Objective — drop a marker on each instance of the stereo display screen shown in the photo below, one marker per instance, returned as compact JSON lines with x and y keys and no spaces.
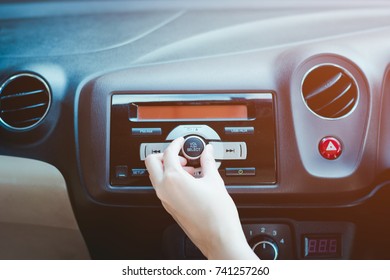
{"x":191,"y":112}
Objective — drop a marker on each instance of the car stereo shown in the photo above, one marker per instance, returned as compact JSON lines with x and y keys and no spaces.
{"x":240,"y":126}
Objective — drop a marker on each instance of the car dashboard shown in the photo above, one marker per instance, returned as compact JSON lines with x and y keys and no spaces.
{"x":293,"y":96}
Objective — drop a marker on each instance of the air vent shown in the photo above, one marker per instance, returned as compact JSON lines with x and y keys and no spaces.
{"x":24,"y":101}
{"x":330,"y":91}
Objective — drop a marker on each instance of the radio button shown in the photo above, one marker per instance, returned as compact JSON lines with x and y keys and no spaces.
{"x":239,"y":130}
{"x":202,"y":130}
{"x":151,"y":148}
{"x":198,"y":171}
{"x":121,"y":171}
{"x":247,"y":171}
{"x":139,"y":172}
{"x":145,"y":131}
{"x":193,"y":147}
{"x":229,"y":150}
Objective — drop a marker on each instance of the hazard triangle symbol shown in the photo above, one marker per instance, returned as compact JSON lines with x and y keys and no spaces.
{"x":331,"y":147}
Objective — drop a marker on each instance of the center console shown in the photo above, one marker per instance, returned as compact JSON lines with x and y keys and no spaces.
{"x":239,"y":126}
{"x":279,"y":239}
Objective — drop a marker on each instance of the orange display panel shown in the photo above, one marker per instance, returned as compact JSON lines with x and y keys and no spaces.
{"x":192,"y":112}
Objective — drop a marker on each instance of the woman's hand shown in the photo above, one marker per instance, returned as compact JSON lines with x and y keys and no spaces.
{"x":201,"y":206}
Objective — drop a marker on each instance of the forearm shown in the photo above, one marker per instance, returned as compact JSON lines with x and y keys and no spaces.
{"x":201,"y":206}
{"x":230,"y":245}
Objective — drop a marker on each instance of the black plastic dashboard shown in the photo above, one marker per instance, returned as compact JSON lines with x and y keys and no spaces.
{"x":88,"y":52}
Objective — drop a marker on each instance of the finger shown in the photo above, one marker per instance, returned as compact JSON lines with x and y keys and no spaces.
{"x":171,"y":154}
{"x":207,"y":162}
{"x":154,"y":165}
{"x":183,"y":161}
{"x":189,"y":169}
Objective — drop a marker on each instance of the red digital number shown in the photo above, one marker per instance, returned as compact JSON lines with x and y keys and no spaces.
{"x":323,"y":246}
{"x":333,"y":246}
{"x":312,"y":246}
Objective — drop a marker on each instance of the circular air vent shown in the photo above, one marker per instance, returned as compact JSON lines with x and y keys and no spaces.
{"x":24,"y":101}
{"x":330,"y":91}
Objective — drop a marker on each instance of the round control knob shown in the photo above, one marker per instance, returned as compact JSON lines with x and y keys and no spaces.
{"x":193,"y":147}
{"x":266,"y":249}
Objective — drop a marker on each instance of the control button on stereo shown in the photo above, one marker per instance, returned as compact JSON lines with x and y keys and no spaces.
{"x":247,"y":171}
{"x":139,"y":172}
{"x":145,"y":131}
{"x":185,"y":130}
{"x":330,"y":148}
{"x":151,"y":148}
{"x":198,"y":171}
{"x":229,"y":150}
{"x":239,"y":130}
{"x":193,"y":147}
{"x":121,"y":171}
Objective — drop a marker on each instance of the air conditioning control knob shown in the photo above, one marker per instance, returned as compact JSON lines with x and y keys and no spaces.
{"x":266,"y":249}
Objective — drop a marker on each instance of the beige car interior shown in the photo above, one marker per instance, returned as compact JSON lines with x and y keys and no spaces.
{"x":36,"y":217}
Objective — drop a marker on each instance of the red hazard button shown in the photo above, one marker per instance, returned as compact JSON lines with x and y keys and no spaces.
{"x":330,"y":148}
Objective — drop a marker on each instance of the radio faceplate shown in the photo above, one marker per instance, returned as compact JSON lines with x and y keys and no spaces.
{"x":240,"y":126}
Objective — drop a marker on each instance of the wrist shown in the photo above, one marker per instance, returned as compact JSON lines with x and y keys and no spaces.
{"x":230,"y":245}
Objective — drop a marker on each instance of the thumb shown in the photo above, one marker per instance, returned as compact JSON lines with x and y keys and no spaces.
{"x":207,"y":161}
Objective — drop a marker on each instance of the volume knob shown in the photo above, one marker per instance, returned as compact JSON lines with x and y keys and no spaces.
{"x":193,"y":147}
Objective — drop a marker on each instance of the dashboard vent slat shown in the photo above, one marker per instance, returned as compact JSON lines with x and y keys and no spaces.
{"x":24,"y":101}
{"x":41,"y":105}
{"x":21,"y":94}
{"x":346,"y":108}
{"x":331,"y":102}
{"x":324,"y":86}
{"x":29,"y":121}
{"x":330,"y":91}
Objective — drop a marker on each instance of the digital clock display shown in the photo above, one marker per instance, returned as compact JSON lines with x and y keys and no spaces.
{"x":322,"y":246}
{"x":192,"y":112}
